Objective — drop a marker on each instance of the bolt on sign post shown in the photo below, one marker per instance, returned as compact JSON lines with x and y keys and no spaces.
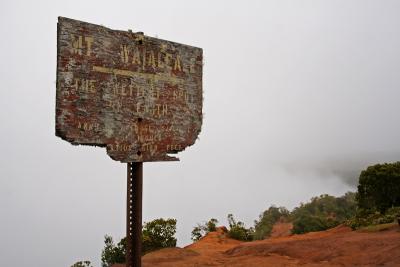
{"x":139,"y":97}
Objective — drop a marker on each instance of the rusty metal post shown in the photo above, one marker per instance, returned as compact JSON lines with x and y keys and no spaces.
{"x":134,"y":215}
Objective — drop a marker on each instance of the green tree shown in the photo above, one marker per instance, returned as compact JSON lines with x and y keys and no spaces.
{"x":379,"y":187}
{"x":238,"y":231}
{"x":322,"y":213}
{"x":112,"y":253}
{"x":157,"y":234}
{"x":202,"y":229}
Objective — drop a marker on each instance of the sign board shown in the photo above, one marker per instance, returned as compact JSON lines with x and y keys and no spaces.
{"x":138,"y":96}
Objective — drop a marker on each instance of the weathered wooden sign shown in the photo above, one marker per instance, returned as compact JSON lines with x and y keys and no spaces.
{"x":138,"y":96}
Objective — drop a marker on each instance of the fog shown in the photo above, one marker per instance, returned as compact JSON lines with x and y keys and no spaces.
{"x":299,"y":97}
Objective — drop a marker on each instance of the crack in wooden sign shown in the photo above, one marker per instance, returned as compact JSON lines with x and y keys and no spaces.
{"x":138,"y":96}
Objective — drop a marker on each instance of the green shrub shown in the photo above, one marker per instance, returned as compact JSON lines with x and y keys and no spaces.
{"x":82,"y":264}
{"x":202,"y":229}
{"x":157,"y":234}
{"x":238,"y":231}
{"x":212,"y":225}
{"x":263,"y":227}
{"x":323,"y":212}
{"x":364,"y":219}
{"x":311,"y":223}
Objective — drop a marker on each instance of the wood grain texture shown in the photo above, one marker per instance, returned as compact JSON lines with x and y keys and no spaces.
{"x":138,"y":96}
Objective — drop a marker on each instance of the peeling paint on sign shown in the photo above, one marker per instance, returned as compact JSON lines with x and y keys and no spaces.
{"x":138,"y":96}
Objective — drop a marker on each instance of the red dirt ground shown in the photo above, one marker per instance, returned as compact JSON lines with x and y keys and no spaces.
{"x":339,"y":246}
{"x":281,"y":229}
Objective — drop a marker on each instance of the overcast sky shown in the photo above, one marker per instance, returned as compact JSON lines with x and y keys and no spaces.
{"x":299,"y":96}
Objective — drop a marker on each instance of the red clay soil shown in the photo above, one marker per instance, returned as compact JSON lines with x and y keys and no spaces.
{"x":281,"y":229}
{"x":336,"y":247}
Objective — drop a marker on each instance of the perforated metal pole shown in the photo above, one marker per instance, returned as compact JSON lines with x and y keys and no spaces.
{"x":134,"y":215}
